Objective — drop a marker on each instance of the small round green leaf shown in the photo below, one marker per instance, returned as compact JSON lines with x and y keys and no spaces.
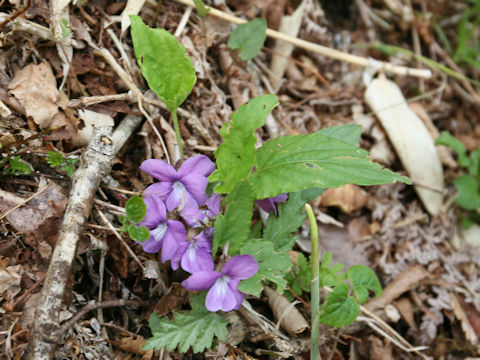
{"x":138,"y":233}
{"x":135,"y":209}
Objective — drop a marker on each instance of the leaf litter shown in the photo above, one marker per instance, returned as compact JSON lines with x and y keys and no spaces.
{"x":430,"y":274}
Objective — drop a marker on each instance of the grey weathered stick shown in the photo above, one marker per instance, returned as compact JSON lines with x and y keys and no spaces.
{"x":95,"y":163}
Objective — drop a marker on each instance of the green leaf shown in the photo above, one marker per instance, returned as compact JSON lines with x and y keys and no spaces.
{"x":446,"y":139}
{"x":291,"y":163}
{"x":125,"y":223}
{"x":364,"y":279}
{"x":272,"y":267}
{"x":340,"y":309}
{"x":468,"y":195}
{"x":236,"y":156}
{"x":54,"y":158}
{"x":279,"y":228}
{"x":249,"y":38}
{"x":18,"y":167}
{"x":168,"y":71}
{"x":347,"y":133}
{"x":234,"y":225}
{"x":474,"y":167}
{"x":69,"y":166}
{"x":136,"y":209}
{"x":329,"y":275}
{"x":301,"y":278}
{"x":138,"y":233}
{"x":196,"y":328}
{"x":202,"y":10}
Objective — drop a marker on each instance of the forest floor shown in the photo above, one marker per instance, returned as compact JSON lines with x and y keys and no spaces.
{"x":428,"y":264}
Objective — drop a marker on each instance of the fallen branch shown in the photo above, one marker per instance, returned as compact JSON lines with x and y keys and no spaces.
{"x":323,"y":50}
{"x":95,"y":163}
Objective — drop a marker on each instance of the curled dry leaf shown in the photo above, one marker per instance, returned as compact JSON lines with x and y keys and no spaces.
{"x":460,"y":314}
{"x":290,"y":318}
{"x":91,"y":120}
{"x":10,"y":277}
{"x":411,"y":140}
{"x":348,"y":198}
{"x":35,"y":88}
{"x":49,"y":203}
{"x":405,"y":308}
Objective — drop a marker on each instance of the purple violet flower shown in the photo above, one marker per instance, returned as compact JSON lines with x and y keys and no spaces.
{"x":185,"y":187}
{"x":195,"y":255}
{"x":164,"y":234}
{"x":269,"y":203}
{"x":224,"y":294}
{"x":197,"y":217}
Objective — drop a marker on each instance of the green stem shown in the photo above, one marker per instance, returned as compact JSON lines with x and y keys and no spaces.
{"x":177,"y":132}
{"x":315,"y":290}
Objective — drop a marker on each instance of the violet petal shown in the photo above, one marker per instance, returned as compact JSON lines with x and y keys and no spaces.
{"x":201,"y":280}
{"x":174,"y":236}
{"x":221,"y":296}
{"x":160,"y":189}
{"x":198,"y":165}
{"x":159,"y":169}
{"x":241,"y":267}
{"x":267,"y":205}
{"x":152,"y":245}
{"x":156,"y":212}
{"x":196,"y":185}
{"x":197,"y":259}
{"x":177,"y":257}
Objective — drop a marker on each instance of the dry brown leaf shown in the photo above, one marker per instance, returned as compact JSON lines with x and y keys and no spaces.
{"x":380,"y":350}
{"x":134,"y":346}
{"x":459,"y":312}
{"x":10,"y":277}
{"x":471,"y":236}
{"x":35,"y":88}
{"x":411,"y":140}
{"x":348,"y":198}
{"x":49,"y":203}
{"x":405,"y":308}
{"x":290,"y":318}
{"x":404,"y":282}
{"x":91,"y":120}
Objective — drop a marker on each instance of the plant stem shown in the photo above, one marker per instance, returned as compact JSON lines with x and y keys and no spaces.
{"x":177,"y":131}
{"x":315,"y":290}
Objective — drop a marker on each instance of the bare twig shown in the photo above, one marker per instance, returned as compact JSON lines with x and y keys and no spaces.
{"x":95,"y":163}
{"x":323,"y":50}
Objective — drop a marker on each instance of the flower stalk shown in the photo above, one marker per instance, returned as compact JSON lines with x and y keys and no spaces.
{"x":315,"y":289}
{"x":176,"y":126}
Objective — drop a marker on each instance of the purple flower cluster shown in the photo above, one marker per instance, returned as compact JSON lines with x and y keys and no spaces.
{"x":184,"y":191}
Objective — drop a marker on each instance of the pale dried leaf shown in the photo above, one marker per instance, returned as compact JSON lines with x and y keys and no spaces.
{"x":471,"y":236}
{"x":290,"y":25}
{"x":405,"y":308}
{"x":348,"y":198}
{"x":411,"y":140}
{"x":10,"y":277}
{"x":133,"y":8}
{"x":35,"y":88}
{"x":91,"y":120}
{"x":290,"y":318}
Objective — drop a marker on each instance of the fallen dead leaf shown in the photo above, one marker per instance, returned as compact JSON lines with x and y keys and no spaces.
{"x":348,"y":198}
{"x":380,"y":350}
{"x":404,"y":282}
{"x":471,"y":236}
{"x":10,"y":277}
{"x":411,"y":140}
{"x":35,"y":88}
{"x":405,"y":308}
{"x":91,"y":120}
{"x":460,"y":314}
{"x":290,"y":318}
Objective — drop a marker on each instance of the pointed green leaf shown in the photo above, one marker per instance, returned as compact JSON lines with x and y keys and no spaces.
{"x":168,"y":71}
{"x":202,"y":10}
{"x":196,"y":328}
{"x":364,"y":279}
{"x":249,"y":38}
{"x":347,"y":133}
{"x":236,"y":156}
{"x":273,"y":267}
{"x":135,"y":209}
{"x":468,"y":194}
{"x":340,"y":309}
{"x":448,"y":140}
{"x":330,"y":274}
{"x":291,"y":163}
{"x":234,"y":226}
{"x":279,"y":228}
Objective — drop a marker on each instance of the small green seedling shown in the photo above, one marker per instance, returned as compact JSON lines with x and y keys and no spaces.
{"x":56,"y":158}
{"x":467,"y":185}
{"x":248,"y":38}
{"x":136,"y":210}
{"x":17,"y":166}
